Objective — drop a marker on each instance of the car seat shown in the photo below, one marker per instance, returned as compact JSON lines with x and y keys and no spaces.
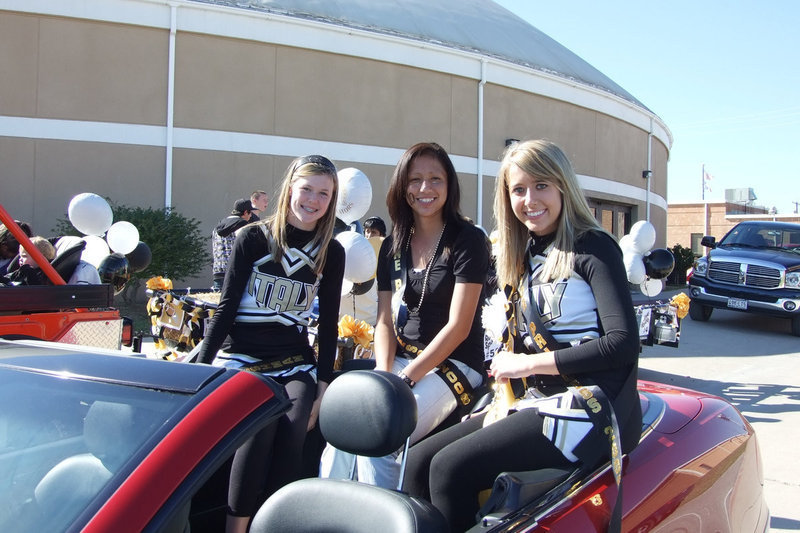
{"x":756,"y":239}
{"x":68,"y":255}
{"x":364,"y":413}
{"x":71,"y":484}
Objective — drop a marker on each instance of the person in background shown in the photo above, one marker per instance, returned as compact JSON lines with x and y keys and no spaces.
{"x":262,"y":326}
{"x":223,"y":235}
{"x":430,"y":275}
{"x":259,"y":201}
{"x":572,"y":286}
{"x":9,"y":247}
{"x":29,"y":272}
{"x":374,"y":227}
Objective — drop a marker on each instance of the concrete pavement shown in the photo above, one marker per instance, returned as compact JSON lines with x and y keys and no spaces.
{"x":754,"y":362}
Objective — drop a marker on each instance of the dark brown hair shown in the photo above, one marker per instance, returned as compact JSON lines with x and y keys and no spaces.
{"x":399,"y":211}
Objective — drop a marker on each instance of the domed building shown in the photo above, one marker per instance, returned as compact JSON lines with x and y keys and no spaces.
{"x":193,"y":104}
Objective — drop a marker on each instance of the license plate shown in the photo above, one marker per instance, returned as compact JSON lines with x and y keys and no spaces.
{"x":737,"y":303}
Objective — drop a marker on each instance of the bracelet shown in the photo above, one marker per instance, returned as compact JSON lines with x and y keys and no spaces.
{"x":407,"y":380}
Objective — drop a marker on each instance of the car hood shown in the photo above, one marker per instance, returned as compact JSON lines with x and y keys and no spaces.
{"x":785,"y":258}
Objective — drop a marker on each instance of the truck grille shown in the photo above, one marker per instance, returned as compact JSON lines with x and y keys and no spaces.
{"x":744,"y":274}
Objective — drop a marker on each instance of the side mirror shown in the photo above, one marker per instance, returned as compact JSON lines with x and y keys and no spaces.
{"x":709,"y":242}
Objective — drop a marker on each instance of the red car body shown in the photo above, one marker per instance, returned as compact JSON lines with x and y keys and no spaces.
{"x":697,"y":467}
{"x":187,"y":422}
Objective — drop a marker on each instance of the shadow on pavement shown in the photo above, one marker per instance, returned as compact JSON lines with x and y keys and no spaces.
{"x":747,"y":397}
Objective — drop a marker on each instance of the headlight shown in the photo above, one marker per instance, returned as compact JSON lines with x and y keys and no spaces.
{"x":793,"y":280}
{"x":701,"y":267}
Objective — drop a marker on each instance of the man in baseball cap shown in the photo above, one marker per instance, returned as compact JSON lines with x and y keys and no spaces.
{"x":223,"y":236}
{"x":243,"y":208}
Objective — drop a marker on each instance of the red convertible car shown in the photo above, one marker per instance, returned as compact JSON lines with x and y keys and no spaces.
{"x":96,"y":442}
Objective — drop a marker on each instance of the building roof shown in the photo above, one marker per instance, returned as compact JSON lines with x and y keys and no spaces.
{"x":478,"y":26}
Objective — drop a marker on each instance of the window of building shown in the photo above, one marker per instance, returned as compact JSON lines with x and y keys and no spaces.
{"x":615,"y":218}
{"x":697,"y":248}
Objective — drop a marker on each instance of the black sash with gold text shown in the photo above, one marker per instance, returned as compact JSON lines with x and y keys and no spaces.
{"x":587,"y":394}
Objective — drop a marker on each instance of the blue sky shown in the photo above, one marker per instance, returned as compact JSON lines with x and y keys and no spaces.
{"x":723,"y":75}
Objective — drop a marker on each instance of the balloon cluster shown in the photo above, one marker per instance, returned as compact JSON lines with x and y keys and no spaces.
{"x":120,"y":253}
{"x":352,"y":203}
{"x":643,"y":266}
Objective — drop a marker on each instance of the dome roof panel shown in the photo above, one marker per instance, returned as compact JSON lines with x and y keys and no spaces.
{"x":479,"y":26}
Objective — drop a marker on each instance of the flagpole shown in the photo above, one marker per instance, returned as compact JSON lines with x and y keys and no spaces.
{"x":703,"y":183}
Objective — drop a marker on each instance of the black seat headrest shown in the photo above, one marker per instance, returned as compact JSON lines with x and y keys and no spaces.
{"x":368,"y":412}
{"x":68,"y":254}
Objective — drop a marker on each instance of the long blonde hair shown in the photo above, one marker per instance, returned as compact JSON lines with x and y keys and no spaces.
{"x":542,"y":160}
{"x":302,"y":167}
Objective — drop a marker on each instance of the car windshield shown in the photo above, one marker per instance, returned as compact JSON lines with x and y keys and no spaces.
{"x":786,"y":237}
{"x":63,"y":443}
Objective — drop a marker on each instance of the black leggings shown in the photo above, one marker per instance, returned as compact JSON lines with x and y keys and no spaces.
{"x":273,"y":457}
{"x":450,"y":468}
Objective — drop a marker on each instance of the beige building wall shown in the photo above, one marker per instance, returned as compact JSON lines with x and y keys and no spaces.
{"x":85,"y":107}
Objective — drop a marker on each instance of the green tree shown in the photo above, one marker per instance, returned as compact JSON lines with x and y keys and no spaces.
{"x":684,"y":259}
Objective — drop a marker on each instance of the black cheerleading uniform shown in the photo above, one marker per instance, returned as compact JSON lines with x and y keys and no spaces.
{"x":261,"y":320}
{"x":265,"y":306}
{"x":592,"y":307}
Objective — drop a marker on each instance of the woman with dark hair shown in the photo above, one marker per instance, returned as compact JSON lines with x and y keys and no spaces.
{"x":573,"y":330}
{"x":261,"y":326}
{"x":431,"y":272}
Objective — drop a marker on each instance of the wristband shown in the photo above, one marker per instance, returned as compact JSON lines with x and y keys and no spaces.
{"x":407,"y":380}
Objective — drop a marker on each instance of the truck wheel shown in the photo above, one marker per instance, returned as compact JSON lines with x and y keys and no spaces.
{"x":796,"y":326}
{"x":700,"y":312}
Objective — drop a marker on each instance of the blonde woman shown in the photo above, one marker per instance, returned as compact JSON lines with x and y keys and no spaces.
{"x":573,"y":323}
{"x":276,"y":269}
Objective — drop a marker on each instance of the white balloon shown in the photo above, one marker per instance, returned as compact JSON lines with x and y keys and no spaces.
{"x":634,"y":268}
{"x":347,"y":286}
{"x":90,"y":213}
{"x":355,"y":195}
{"x":96,"y":250}
{"x":626,"y":244}
{"x":643,"y":234}
{"x":122,"y":237}
{"x":360,"y":259}
{"x":651,"y":287}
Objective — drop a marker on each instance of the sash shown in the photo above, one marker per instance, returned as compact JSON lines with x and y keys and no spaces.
{"x":589,"y":396}
{"x":274,"y":365}
{"x":454,"y":378}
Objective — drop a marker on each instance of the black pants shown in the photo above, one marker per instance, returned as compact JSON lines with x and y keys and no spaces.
{"x":450,"y":468}
{"x":273,"y":457}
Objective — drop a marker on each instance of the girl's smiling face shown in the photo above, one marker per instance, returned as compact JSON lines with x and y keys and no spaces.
{"x":309,"y":200}
{"x":535,"y":202}
{"x":426,"y":192}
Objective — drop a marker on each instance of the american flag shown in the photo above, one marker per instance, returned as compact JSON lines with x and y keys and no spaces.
{"x":707,"y":181}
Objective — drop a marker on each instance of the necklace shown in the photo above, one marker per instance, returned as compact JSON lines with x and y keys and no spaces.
{"x":427,"y":267}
